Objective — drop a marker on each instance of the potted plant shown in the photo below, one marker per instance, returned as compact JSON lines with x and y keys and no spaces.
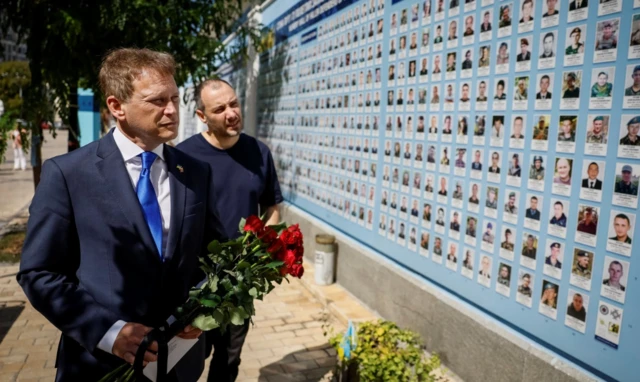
{"x":381,"y":352}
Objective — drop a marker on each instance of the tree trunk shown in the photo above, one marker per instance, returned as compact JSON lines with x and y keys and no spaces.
{"x":37,"y":149}
{"x":74,"y":124}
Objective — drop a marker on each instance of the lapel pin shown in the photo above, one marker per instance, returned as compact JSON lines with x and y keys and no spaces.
{"x":180,"y":168}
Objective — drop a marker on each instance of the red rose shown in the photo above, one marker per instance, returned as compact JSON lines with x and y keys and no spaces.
{"x":268,"y":235}
{"x":253,"y":224}
{"x":290,"y":258}
{"x":284,"y":271}
{"x":279,"y":255}
{"x":292,"y":235}
{"x":299,"y":252}
{"x":275,"y":246}
{"x":297,"y":270}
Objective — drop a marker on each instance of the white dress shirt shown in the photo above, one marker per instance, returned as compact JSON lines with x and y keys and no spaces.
{"x":160,"y":181}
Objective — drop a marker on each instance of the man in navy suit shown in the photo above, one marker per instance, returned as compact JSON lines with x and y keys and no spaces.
{"x":116,"y":227}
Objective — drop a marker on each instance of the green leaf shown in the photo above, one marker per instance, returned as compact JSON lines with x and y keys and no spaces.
{"x":214,"y":247}
{"x":253,"y":292}
{"x":208,"y":303}
{"x":238,"y":315}
{"x":243,"y":221}
{"x":226,"y":283}
{"x":243,"y":264}
{"x":205,"y":323}
{"x":213,"y":283}
{"x":274,"y":264}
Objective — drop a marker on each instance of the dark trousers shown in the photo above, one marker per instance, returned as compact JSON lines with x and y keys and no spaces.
{"x":226,"y":352}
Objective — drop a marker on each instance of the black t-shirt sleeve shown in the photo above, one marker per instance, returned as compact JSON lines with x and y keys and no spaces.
{"x":271,"y":194}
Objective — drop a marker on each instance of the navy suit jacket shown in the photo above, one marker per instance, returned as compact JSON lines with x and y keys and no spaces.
{"x":89,"y":258}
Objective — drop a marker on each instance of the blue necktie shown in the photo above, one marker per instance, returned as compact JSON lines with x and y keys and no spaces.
{"x":149,"y":201}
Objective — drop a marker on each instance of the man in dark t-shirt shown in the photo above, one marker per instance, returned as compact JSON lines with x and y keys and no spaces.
{"x":244,"y":183}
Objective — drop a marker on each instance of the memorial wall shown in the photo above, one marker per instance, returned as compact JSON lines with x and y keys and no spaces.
{"x":491,"y":147}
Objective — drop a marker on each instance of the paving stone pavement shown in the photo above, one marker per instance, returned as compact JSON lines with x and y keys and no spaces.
{"x":286,"y":343}
{"x":16,"y":187}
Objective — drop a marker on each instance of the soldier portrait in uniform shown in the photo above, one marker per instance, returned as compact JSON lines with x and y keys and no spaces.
{"x":571,"y":84}
{"x":567,"y":130}
{"x":455,"y":222}
{"x":615,"y":272}
{"x":623,"y":229}
{"x":626,"y":183}
{"x":504,"y":275}
{"x":505,"y":16}
{"x":437,"y":246}
{"x":553,"y":259}
{"x":525,"y":285}
{"x":606,"y":35}
{"x":536,"y":171}
{"x":576,"y":308}
{"x":558,"y":217}
{"x":575,"y":41}
{"x":525,"y":51}
{"x":492,"y":198}
{"x":510,"y":207}
{"x":424,"y":240}
{"x":474,"y":198}
{"x":530,"y":247}
{"x":488,"y":236}
{"x":549,"y":296}
{"x":458,"y":194}
{"x":514,"y":166}
{"x":588,"y":220}
{"x":620,"y":233}
{"x":471,"y":226}
{"x":598,"y":130}
{"x":582,"y":263}
{"x":632,"y":86}
{"x":533,"y":212}
{"x":631,"y":137}
{"x":541,"y":129}
{"x":508,"y":243}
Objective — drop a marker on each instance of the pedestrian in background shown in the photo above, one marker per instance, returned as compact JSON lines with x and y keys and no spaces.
{"x":19,"y":161}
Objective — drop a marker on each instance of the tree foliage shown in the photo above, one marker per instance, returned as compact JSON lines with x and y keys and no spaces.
{"x":14,"y":77}
{"x":66,"y":40}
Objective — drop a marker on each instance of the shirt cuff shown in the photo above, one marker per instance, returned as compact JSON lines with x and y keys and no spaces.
{"x":106,"y":343}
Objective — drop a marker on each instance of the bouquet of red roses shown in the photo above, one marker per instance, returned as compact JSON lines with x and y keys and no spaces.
{"x":238,"y":272}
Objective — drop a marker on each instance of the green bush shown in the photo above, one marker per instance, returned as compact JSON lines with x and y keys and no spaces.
{"x":384,"y":352}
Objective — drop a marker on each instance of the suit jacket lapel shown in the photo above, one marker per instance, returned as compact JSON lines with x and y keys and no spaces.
{"x":178,"y":200}
{"x":111,"y":166}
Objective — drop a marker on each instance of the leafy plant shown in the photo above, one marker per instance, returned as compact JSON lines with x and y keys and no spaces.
{"x":384,"y":352}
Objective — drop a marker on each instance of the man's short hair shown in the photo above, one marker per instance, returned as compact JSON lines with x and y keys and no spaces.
{"x":593,"y":164}
{"x":120,"y":67}
{"x":545,"y":76}
{"x":214,"y":83}
{"x":549,"y":34}
{"x":558,"y":203}
{"x":623,"y":216}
